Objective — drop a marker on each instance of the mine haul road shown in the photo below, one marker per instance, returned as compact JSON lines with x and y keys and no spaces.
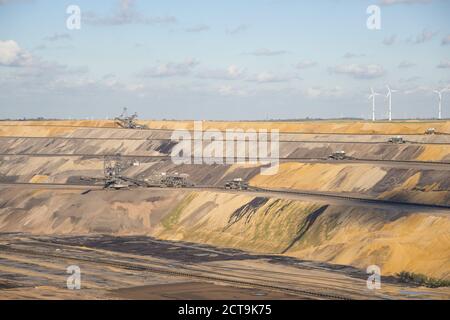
{"x":312,"y":141}
{"x":177,"y":129}
{"x":420,"y":165}
{"x":112,"y":263}
{"x":326,"y":197}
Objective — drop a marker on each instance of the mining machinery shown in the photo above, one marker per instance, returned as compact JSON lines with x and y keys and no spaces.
{"x":112,"y":170}
{"x":236,"y":184}
{"x":114,"y":165}
{"x":396,"y":140}
{"x":338,"y":155}
{"x":128,"y":122}
{"x":430,"y":131}
{"x":175,"y":181}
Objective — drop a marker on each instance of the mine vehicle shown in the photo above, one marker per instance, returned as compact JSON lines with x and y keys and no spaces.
{"x":112,"y":170}
{"x":113,"y":166}
{"x":338,"y":155}
{"x":175,"y":181}
{"x":128,"y":122}
{"x":396,"y":140}
{"x":113,"y":178}
{"x":430,"y":131}
{"x":116,"y":184}
{"x":236,"y":184}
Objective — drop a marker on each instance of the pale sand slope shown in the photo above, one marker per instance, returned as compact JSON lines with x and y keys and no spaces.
{"x":331,"y":126}
{"x":396,"y":240}
{"x":359,"y":178}
{"x":296,"y":149}
{"x":22,"y":130}
{"x":59,"y":130}
{"x":402,"y":184}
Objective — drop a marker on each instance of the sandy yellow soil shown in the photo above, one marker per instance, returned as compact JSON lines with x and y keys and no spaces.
{"x":73,"y":123}
{"x":316,"y":126}
{"x":22,"y":130}
{"x":323,"y":177}
{"x":407,"y":185}
{"x":435,"y":153}
{"x":354,"y":178}
{"x":417,"y":242}
{"x":352,"y":127}
{"x":395,"y":239}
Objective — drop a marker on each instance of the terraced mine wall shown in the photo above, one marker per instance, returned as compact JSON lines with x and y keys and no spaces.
{"x":395,"y":239}
{"x":289,"y":150}
{"x":331,"y":126}
{"x":414,"y":185}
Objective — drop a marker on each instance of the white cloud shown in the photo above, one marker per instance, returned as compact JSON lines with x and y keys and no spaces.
{"x":41,"y":70}
{"x":446,"y":40}
{"x":389,"y":41}
{"x":238,"y":29}
{"x":198,"y":28}
{"x":126,"y":14}
{"x":394,"y":2}
{"x":2,"y":2}
{"x":231,"y":91}
{"x":58,"y":36}
{"x":34,"y":74}
{"x":320,"y":92}
{"x":444,"y":64}
{"x":233,"y":72}
{"x":267,"y":52}
{"x":33,"y":70}
{"x":304,"y":64}
{"x":417,"y":89}
{"x":424,"y":36}
{"x":409,"y":80}
{"x":406,"y":64}
{"x":12,"y":55}
{"x":350,"y":55}
{"x":134,"y":87}
{"x":170,"y":69}
{"x":266,"y":77}
{"x":87,"y":84}
{"x":126,"y":4}
{"x":360,"y":71}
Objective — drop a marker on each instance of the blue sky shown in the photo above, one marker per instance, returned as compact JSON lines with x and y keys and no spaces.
{"x":200,"y":59}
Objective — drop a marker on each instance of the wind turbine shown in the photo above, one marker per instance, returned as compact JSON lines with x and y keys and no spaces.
{"x":389,"y":96}
{"x":372,"y":96}
{"x":439,"y":93}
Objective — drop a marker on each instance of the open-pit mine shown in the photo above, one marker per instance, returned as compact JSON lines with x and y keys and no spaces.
{"x":105,"y":198}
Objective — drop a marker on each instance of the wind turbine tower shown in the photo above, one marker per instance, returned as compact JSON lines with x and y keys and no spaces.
{"x":439,"y":93}
{"x":389,"y":96}
{"x":372,"y":96}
